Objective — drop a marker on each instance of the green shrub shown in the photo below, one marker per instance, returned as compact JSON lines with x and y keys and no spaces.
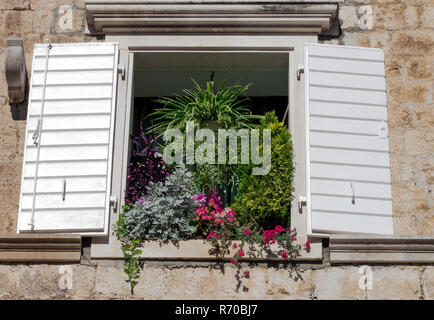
{"x":265,"y":200}
{"x":166,"y":212}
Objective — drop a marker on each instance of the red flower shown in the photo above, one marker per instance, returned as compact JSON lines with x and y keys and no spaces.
{"x":241,"y":253}
{"x":235,"y":245}
{"x":212,"y":233}
{"x":247,"y":232}
{"x":266,"y":240}
{"x":233,"y":261}
{"x":247,"y":274}
{"x":285,"y":255}
{"x":279,"y":229}
{"x":308,"y":245}
{"x":273,"y":233}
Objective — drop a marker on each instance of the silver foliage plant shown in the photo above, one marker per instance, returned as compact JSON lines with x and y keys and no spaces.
{"x":167,"y":210}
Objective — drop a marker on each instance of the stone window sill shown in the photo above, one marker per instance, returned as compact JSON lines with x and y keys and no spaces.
{"x":191,"y":250}
{"x":381,"y":249}
{"x":32,"y":248}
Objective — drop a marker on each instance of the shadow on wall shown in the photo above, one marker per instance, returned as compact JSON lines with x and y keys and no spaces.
{"x":19,"y":110}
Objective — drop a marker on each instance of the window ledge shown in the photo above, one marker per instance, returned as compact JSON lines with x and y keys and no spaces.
{"x":192,"y":250}
{"x":381,"y":249}
{"x":40,"y":248}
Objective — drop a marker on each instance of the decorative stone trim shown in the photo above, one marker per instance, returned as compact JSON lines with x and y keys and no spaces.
{"x":40,"y":248}
{"x":381,"y":249}
{"x":15,"y":70}
{"x":191,"y":250}
{"x":211,"y":16}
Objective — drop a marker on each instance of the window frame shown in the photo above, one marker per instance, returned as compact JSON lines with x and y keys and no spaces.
{"x":109,"y":247}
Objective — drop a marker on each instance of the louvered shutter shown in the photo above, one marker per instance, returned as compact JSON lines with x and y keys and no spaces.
{"x":68,"y":147}
{"x":348,"y":167}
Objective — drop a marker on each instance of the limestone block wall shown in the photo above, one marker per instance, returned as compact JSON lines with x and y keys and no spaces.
{"x":173,"y":281}
{"x":404,"y":29}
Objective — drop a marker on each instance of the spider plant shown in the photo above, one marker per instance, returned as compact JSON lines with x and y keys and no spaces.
{"x":226,"y":106}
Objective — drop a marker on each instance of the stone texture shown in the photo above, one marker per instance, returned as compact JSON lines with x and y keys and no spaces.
{"x":202,"y":282}
{"x":395,"y":283}
{"x":427,"y":279}
{"x":337,"y":283}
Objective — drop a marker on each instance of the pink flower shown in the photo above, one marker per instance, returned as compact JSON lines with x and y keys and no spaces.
{"x":266,"y":240}
{"x":285,"y":255}
{"x":212,"y":234}
{"x":235,"y":245}
{"x":247,"y":232}
{"x":267,"y":233}
{"x":199,"y":197}
{"x":241,"y":253}
{"x":233,"y":261}
{"x":272,"y":233}
{"x":247,"y":274}
{"x":308,"y":245}
{"x":279,"y":229}
{"x":293,"y":238}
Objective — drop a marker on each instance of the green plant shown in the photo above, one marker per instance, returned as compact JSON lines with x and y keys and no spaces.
{"x":225,"y":106}
{"x":130,"y":250}
{"x":266,"y":199}
{"x":166,"y":212}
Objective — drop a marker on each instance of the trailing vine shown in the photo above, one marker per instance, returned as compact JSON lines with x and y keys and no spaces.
{"x":130,"y":250}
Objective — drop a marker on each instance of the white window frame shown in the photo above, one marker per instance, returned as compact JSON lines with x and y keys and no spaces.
{"x":103,"y":248}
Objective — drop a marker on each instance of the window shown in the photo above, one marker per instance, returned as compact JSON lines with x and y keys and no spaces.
{"x":76,"y":150}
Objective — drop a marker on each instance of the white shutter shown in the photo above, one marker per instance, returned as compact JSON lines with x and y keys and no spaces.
{"x":348,"y":166}
{"x":68,"y":147}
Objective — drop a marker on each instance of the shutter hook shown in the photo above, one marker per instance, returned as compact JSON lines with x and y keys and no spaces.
{"x":353,"y":193}
{"x":49,"y":43}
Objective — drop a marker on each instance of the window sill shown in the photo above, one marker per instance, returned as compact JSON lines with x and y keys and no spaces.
{"x":40,"y":248}
{"x":381,"y":249}
{"x":192,"y":250}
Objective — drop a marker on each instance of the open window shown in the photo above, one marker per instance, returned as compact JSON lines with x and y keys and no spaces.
{"x":165,"y":74}
{"x":67,"y":170}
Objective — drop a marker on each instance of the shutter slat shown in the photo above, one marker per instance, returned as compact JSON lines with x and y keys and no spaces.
{"x":349,"y":184}
{"x":71,"y":107}
{"x":86,"y":184}
{"x":68,"y":137}
{"x":67,"y":174}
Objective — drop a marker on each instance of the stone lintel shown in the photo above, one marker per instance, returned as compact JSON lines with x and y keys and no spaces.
{"x":208,"y":16}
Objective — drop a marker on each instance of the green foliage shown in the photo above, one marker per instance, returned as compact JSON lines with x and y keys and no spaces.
{"x":130,"y":250}
{"x":266,"y":199}
{"x":166,"y":212}
{"x":226,"y":106}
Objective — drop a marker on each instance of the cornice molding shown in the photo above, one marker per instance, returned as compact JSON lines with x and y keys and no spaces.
{"x":43,"y":248}
{"x":381,"y":249}
{"x":207,"y":16}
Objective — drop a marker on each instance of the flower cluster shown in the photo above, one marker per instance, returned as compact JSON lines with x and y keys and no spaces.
{"x":210,"y":216}
{"x":270,"y":235}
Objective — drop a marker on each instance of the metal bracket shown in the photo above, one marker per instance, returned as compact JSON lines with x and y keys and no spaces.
{"x":300,"y":70}
{"x":302,"y":201}
{"x":382,"y":130}
{"x":121,"y":70}
{"x":114,"y":202}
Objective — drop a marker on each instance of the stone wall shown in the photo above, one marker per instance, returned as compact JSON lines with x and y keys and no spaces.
{"x":203,"y":282}
{"x":404,"y":29}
